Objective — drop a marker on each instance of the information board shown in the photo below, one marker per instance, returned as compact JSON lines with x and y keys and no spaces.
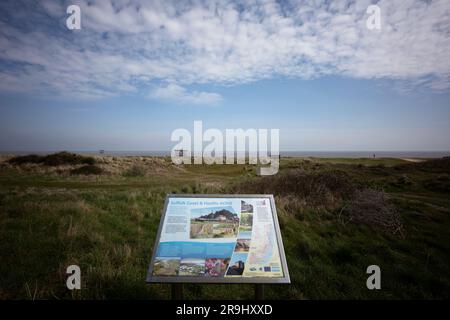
{"x":219,"y":239}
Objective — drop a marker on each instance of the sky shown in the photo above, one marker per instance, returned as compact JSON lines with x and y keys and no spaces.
{"x":137,"y":70}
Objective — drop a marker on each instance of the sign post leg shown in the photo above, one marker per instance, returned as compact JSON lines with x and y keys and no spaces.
{"x":259,"y":292}
{"x":177,"y":291}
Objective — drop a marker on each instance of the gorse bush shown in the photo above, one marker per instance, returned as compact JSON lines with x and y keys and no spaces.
{"x":63,"y":158}
{"x":56,"y":159}
{"x":32,"y":158}
{"x":316,"y":188}
{"x":299,"y":191}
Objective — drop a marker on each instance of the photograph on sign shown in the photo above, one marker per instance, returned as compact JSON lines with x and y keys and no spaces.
{"x":218,"y":237}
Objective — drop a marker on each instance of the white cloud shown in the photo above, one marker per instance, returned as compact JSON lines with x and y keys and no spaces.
{"x":129,"y":46}
{"x":179,"y":94}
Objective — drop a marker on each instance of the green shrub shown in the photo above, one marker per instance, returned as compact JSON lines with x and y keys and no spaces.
{"x":316,"y":188}
{"x":62,"y":158}
{"x":56,"y":159}
{"x":32,"y":158}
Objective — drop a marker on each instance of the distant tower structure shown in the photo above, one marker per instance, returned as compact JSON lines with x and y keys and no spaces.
{"x":374,"y":155}
{"x":179,"y":152}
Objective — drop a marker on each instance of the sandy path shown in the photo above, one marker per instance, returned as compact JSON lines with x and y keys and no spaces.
{"x":413,"y":160}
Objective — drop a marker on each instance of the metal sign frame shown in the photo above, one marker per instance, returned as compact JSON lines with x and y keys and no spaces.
{"x":192,"y":279}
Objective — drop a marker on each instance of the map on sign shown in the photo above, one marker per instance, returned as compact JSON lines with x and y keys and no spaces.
{"x":219,"y":239}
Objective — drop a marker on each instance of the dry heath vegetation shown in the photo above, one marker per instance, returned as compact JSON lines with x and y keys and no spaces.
{"x":337,"y":217}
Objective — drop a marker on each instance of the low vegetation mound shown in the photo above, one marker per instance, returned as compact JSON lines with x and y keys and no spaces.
{"x":441,"y":165}
{"x":316,"y":187}
{"x":56,"y":159}
{"x":299,"y":192}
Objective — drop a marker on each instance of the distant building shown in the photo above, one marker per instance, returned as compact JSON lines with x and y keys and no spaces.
{"x":179,"y":152}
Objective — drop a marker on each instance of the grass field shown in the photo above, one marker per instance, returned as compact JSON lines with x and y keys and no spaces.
{"x":337,"y":216}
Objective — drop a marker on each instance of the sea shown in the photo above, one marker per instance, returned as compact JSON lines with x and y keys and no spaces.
{"x":314,"y":154}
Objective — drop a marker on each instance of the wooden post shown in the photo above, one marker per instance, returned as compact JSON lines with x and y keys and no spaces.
{"x":177,"y":291}
{"x":259,"y":292}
